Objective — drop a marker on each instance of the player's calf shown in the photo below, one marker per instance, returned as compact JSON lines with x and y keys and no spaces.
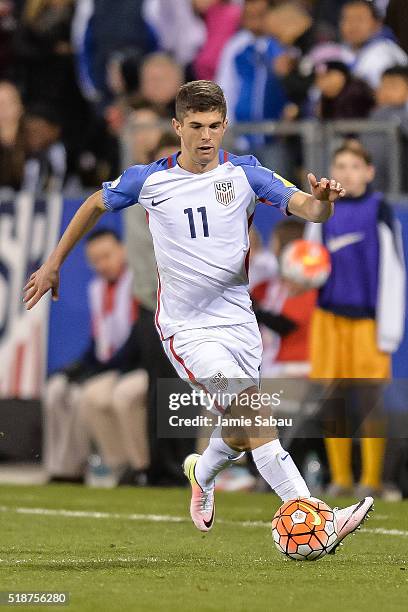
{"x":274,"y":464}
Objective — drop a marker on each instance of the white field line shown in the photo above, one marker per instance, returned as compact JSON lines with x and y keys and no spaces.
{"x":165,"y":518}
{"x":76,"y":561}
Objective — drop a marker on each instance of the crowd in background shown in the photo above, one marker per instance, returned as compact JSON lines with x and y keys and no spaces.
{"x":87,"y":88}
{"x":77,"y":78}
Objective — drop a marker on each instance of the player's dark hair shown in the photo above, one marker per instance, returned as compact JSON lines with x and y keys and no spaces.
{"x":399,"y":71}
{"x":101,"y":233}
{"x":286,"y":231}
{"x":200,"y":97}
{"x":369,"y":4}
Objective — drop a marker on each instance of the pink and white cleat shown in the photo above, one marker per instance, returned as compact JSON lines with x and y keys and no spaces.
{"x":202,"y":506}
{"x":351,"y":518}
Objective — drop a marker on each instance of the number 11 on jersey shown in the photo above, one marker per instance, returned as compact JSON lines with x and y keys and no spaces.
{"x":202,"y":210}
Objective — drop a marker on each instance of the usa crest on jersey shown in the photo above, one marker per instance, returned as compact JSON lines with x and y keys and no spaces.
{"x":224,"y":192}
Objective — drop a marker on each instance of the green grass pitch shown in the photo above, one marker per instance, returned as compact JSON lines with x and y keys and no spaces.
{"x":140,"y":552}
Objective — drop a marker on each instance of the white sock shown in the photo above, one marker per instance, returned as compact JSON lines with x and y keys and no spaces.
{"x":217,"y":456}
{"x":277,"y":467}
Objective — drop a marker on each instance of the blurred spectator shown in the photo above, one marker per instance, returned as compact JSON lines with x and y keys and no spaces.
{"x":103,"y":389}
{"x":160,"y":79}
{"x":123,"y":70}
{"x":46,"y":69}
{"x":169,"y":144}
{"x":43,"y":48}
{"x":342,"y":96}
{"x":99,"y":156}
{"x":222,"y":19}
{"x":291,"y":24}
{"x":123,"y":81}
{"x":392,"y":91}
{"x":396,"y":18}
{"x":45,"y":165}
{"x":392,"y":104}
{"x":375,"y":50}
{"x":360,"y":319}
{"x":98,"y":32}
{"x":178,"y":29}
{"x":284,"y":311}
{"x":246,"y":69}
{"x":141,"y":133}
{"x":12,"y":143}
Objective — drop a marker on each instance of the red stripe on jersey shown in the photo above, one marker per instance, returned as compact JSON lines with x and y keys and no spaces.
{"x":265,"y":201}
{"x":191,"y":375}
{"x":226,"y":156}
{"x":158,"y":306}
{"x":181,"y":361}
{"x":170,"y":162}
{"x":251,"y":218}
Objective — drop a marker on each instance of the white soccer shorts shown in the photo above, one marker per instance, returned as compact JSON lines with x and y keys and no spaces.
{"x":219,"y":360}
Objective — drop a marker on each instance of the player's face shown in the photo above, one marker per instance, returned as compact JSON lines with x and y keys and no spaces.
{"x":107,"y":257}
{"x":201,"y":136}
{"x":352,"y":172}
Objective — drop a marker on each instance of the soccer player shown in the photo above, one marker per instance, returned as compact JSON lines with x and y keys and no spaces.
{"x":200,"y":203}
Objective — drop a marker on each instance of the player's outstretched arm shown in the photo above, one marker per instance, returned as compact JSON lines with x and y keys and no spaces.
{"x":47,"y":277}
{"x":319,"y":205}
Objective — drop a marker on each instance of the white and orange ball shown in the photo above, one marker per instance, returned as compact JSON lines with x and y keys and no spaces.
{"x":305,"y":263}
{"x":304,"y":529}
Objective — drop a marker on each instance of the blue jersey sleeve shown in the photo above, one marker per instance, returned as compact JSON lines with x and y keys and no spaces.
{"x":125,"y":190}
{"x":268,"y":186}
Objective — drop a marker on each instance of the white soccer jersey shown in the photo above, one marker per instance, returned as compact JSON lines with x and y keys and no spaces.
{"x":199,"y":224}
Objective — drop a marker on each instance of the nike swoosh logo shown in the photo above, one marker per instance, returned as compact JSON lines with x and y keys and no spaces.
{"x":210,"y":522}
{"x":317,"y":519}
{"x":339,"y":242}
{"x":160,"y":202}
{"x":285,"y":457}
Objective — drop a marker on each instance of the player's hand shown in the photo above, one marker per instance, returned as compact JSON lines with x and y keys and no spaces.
{"x":327,"y":190}
{"x":41,"y":281}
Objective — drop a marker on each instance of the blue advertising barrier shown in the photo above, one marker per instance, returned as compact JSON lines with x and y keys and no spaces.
{"x":69,"y":320}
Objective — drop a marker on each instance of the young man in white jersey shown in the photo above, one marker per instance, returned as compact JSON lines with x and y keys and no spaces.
{"x":199,"y":204}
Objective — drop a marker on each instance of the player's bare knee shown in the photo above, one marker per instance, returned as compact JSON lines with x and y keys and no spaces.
{"x":235,"y":439}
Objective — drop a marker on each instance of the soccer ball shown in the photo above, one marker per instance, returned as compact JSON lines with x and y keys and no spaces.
{"x":306,"y":263}
{"x":304,"y":529}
